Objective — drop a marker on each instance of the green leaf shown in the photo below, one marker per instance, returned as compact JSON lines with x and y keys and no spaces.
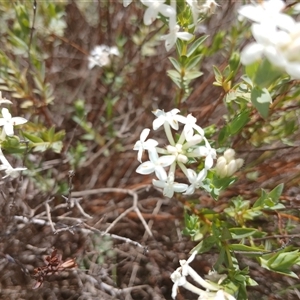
{"x":240,"y":247}
{"x":218,"y":75}
{"x":189,"y":75}
{"x":284,"y":260}
{"x":239,"y":122}
{"x":195,"y":45}
{"x":266,"y":74}
{"x":175,"y":63}
{"x":206,"y":244}
{"x":261,"y":100}
{"x":193,"y":62}
{"x":240,"y":233}
{"x":276,"y":193}
{"x":33,"y":138}
{"x":174,"y":74}
{"x":223,"y":135}
{"x":260,"y":201}
{"x":57,"y":146}
{"x":41,"y":147}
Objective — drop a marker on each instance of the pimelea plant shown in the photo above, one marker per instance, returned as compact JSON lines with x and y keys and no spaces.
{"x":277,"y":38}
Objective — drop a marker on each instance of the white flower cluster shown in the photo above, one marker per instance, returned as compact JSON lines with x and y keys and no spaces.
{"x":212,"y":290}
{"x":8,"y":122}
{"x":277,"y":36}
{"x":189,"y":147}
{"x":100,"y":56}
{"x":227,"y":165}
{"x":156,"y":7}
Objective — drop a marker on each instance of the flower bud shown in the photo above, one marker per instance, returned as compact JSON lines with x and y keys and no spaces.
{"x":221,"y":167}
{"x":239,"y":163}
{"x":229,"y":154}
{"x":182,"y":158}
{"x":232,"y":168}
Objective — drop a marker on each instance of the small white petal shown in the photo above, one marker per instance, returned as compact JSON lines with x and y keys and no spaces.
{"x":166,"y":160}
{"x":145,"y":168}
{"x":251,"y":53}
{"x":18,"y":120}
{"x":184,"y":36}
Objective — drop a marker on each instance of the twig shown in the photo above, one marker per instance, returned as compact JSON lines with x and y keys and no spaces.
{"x":118,"y":190}
{"x":48,"y":213}
{"x":116,"y":237}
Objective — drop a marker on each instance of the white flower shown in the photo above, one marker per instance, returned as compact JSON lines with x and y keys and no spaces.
{"x":221,"y":295}
{"x":169,"y":117}
{"x":196,"y":180}
{"x":277,"y":37}
{"x":190,"y":126}
{"x":208,"y":7}
{"x":126,"y":2}
{"x":268,"y":12}
{"x":179,"y":279}
{"x":169,"y":186}
{"x":171,"y":38}
{"x":156,"y":164}
{"x":209,"y":153}
{"x":100,"y":56}
{"x":8,"y":122}
{"x":142,"y":144}
{"x":9,"y":170}
{"x":154,"y":8}
{"x":178,"y":153}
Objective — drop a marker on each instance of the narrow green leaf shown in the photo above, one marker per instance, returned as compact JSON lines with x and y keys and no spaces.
{"x":175,"y":63}
{"x":32,"y":138}
{"x":174,"y":74}
{"x":239,"y":233}
{"x":218,"y":75}
{"x":189,"y":75}
{"x":240,"y":247}
{"x":276,"y":192}
{"x":196,"y":44}
{"x":239,"y":122}
{"x":193,"y":62}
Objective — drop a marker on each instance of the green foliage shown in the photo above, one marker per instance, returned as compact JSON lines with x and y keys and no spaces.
{"x":46,"y":139}
{"x":186,"y":66}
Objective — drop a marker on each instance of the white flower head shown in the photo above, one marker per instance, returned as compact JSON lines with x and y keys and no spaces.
{"x":142,"y":144}
{"x":268,"y":12}
{"x":169,"y":186}
{"x":196,"y":180}
{"x":171,"y":117}
{"x":100,"y":56}
{"x":171,"y":38}
{"x":8,"y":122}
{"x":156,"y":164}
{"x":179,"y":279}
{"x":209,"y":153}
{"x":178,"y":153}
{"x":190,"y":126}
{"x":157,"y":7}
